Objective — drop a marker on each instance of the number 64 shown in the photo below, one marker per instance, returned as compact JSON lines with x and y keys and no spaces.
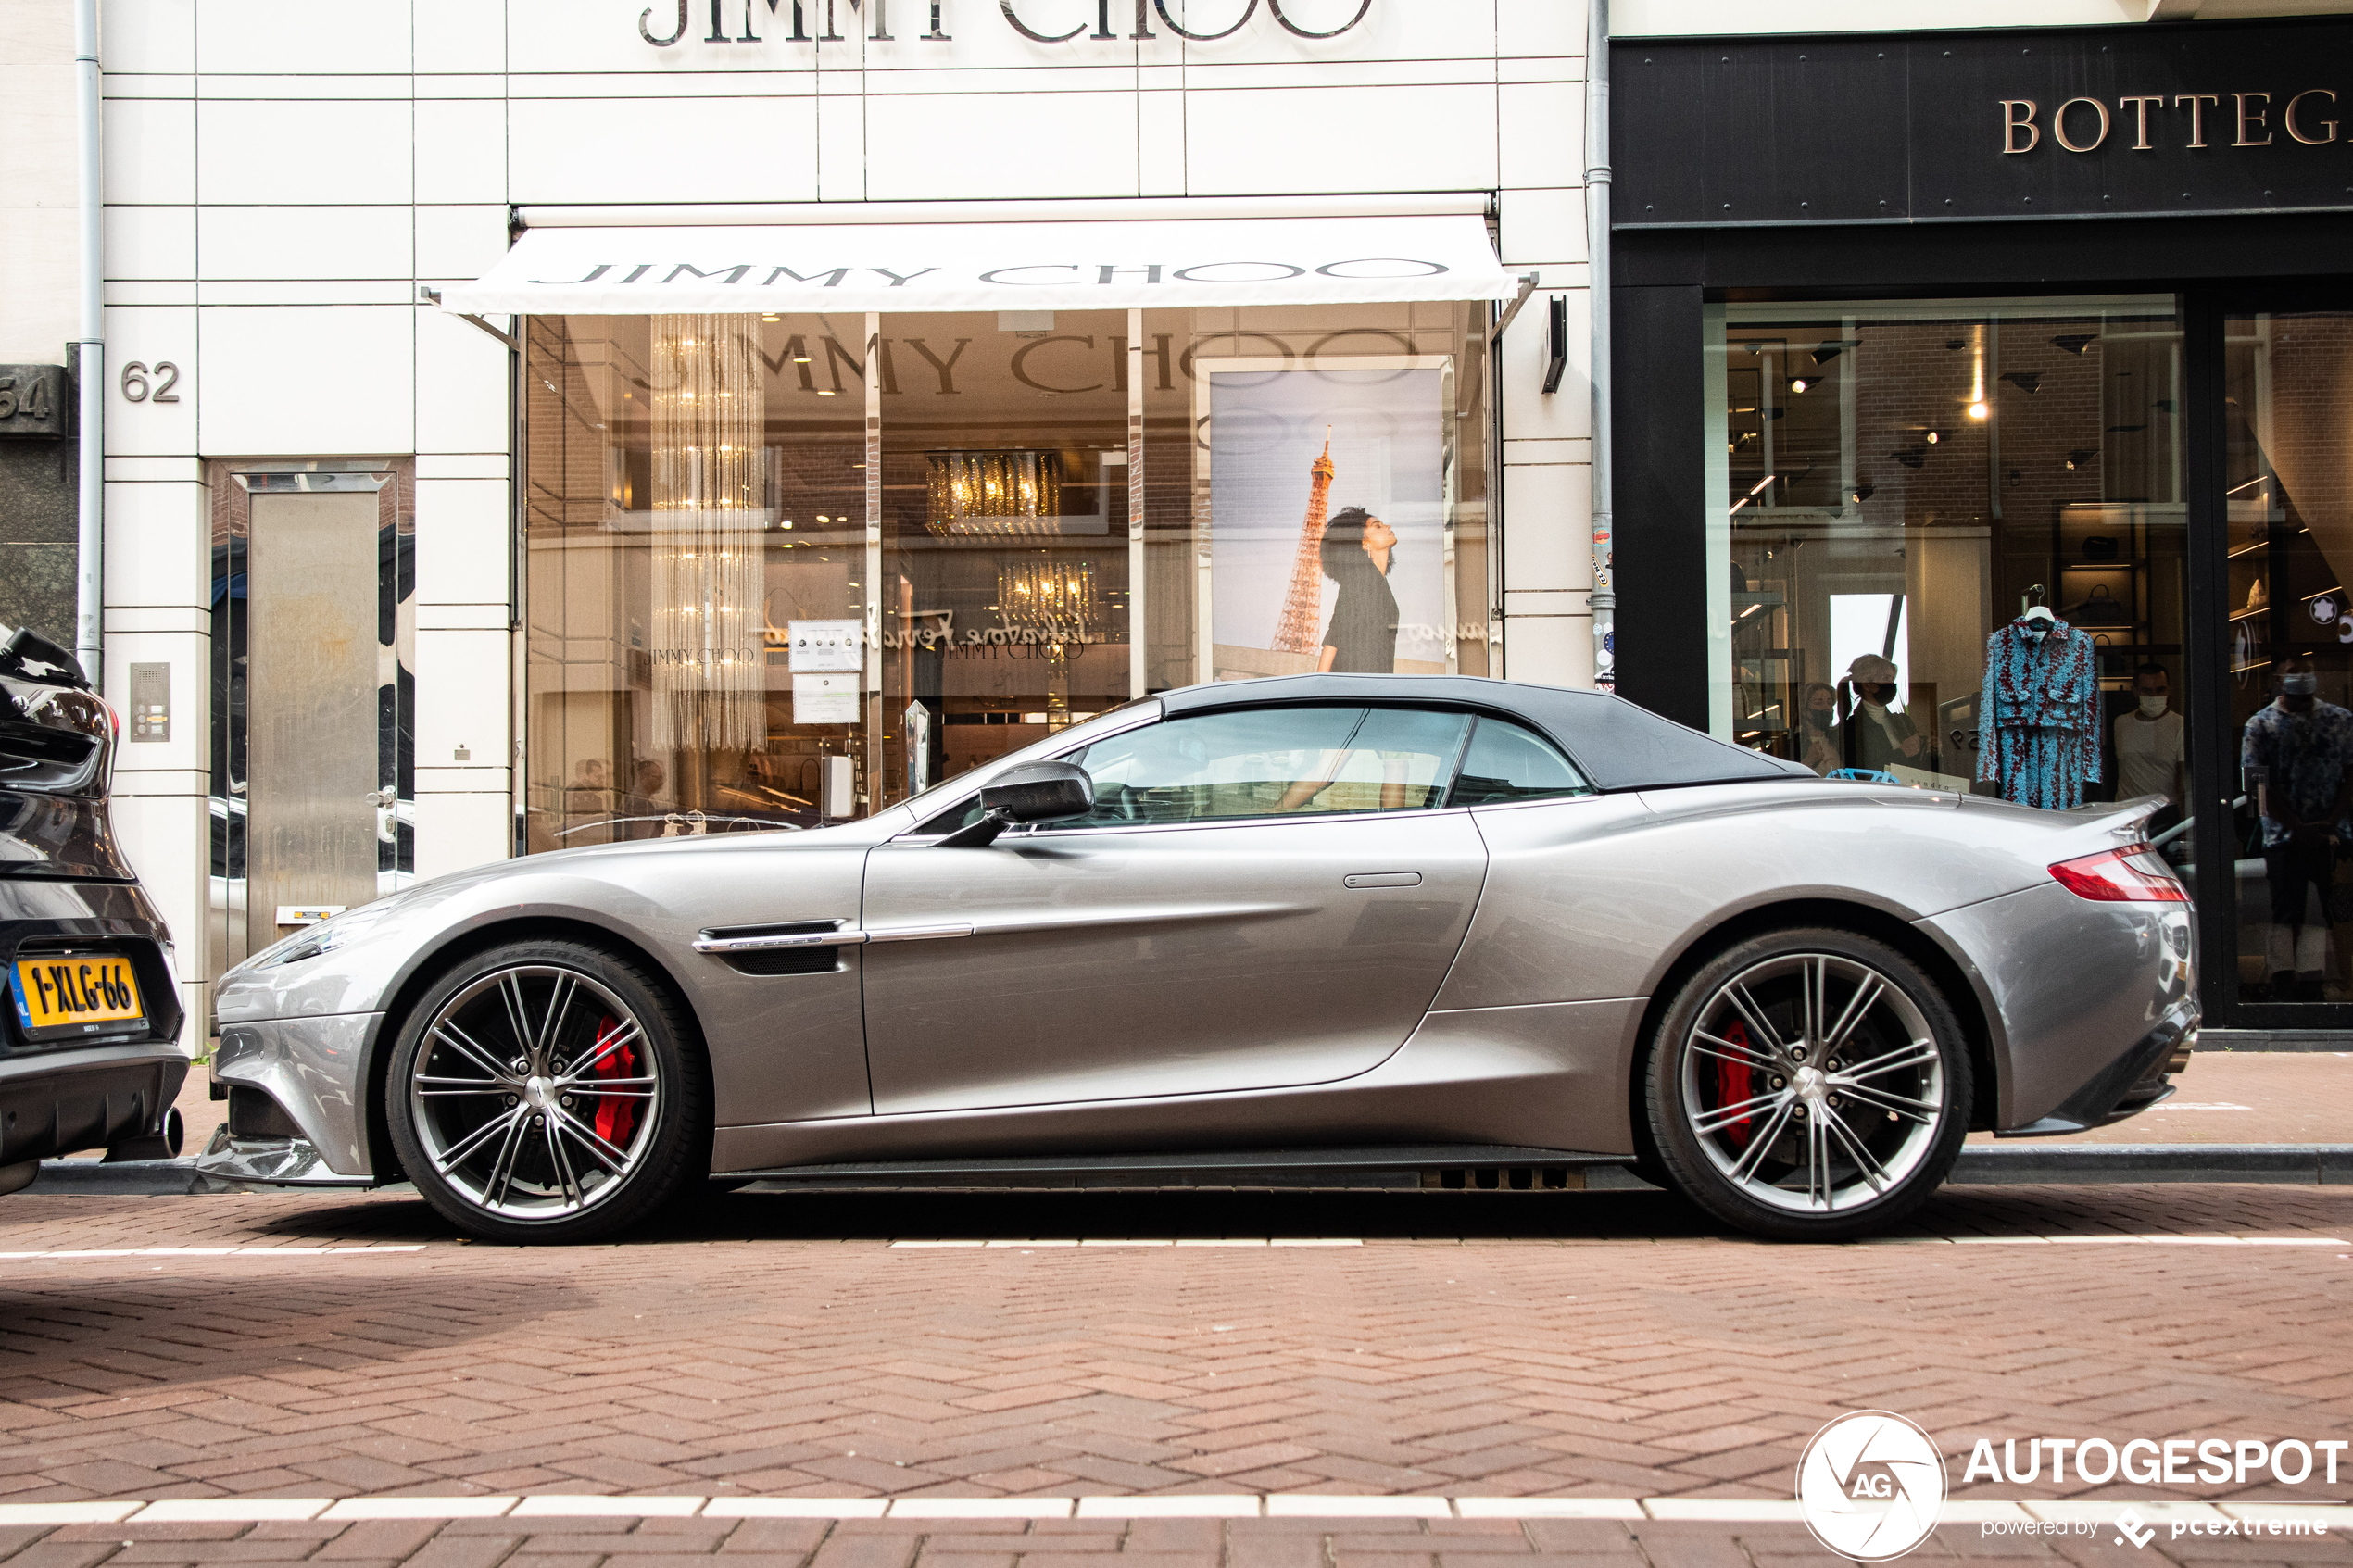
{"x":134,"y":382}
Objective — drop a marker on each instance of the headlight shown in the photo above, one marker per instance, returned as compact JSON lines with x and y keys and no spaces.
{"x":312,"y":941}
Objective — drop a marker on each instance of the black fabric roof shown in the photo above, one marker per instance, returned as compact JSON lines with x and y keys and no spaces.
{"x":1613,"y":741}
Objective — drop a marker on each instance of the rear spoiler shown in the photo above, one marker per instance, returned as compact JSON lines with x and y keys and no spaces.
{"x":2122,"y":820}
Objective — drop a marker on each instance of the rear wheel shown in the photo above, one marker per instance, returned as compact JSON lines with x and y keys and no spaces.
{"x":1808,"y":1086}
{"x":547,"y":1091}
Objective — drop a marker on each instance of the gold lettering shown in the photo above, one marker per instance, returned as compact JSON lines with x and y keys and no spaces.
{"x":2254,"y":121}
{"x":2058,"y":124}
{"x":2287,"y":117}
{"x":2140,"y":108}
{"x":2012,"y":124}
{"x":2197,"y":114}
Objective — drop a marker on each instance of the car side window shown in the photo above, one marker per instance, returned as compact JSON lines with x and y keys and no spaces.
{"x":1507,"y":762}
{"x":1272,"y":763}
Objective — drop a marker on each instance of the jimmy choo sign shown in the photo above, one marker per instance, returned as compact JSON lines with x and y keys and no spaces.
{"x":1042,"y":21}
{"x":2112,"y":122}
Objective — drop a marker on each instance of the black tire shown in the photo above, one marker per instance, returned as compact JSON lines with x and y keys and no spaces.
{"x":1859,"y":1112}
{"x":609,"y":1122}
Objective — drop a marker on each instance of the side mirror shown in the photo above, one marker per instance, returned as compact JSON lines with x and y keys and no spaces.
{"x":1035,"y":792}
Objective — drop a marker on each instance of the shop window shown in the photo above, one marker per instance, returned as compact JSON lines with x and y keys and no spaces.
{"x":1950,"y":543}
{"x":782,"y":570}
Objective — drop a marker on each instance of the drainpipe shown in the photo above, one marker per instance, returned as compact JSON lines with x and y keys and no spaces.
{"x":1604,"y":600}
{"x":90,"y":588}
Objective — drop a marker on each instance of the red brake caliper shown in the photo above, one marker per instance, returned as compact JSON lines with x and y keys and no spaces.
{"x":1733,"y":1081}
{"x":616,"y":1115}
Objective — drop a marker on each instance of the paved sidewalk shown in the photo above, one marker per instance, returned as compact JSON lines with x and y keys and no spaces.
{"x":2241,"y":1097}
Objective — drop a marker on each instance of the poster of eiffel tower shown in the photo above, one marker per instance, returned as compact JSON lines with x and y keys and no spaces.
{"x":1291,"y":451}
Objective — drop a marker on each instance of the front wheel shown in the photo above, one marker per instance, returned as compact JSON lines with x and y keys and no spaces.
{"x":547,"y":1092}
{"x":1808,"y":1086}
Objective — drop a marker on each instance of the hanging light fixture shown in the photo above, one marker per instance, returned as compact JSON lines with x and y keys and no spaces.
{"x":1056,"y":597}
{"x":710,"y":672}
{"x":1002,"y":494}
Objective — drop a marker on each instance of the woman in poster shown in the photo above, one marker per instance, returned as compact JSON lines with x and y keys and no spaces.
{"x":1361,"y":638}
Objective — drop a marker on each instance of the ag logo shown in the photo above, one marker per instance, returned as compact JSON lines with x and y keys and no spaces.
{"x":1870,"y":1485}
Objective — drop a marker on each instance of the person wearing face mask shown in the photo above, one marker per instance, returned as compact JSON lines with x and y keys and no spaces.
{"x":2149,"y":743}
{"x":1818,"y":732}
{"x":1876,"y":736}
{"x":2297,"y":755}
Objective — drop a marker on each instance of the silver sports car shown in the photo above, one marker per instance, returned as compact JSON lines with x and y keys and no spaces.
{"x":1454,"y":931}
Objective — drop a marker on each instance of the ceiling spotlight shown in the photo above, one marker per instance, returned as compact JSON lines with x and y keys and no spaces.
{"x":1978,"y":410}
{"x":1864,"y":491}
{"x":1910,"y":457}
{"x":1829,"y":352}
{"x":2074,"y":343}
{"x":1798,"y":383}
{"x":1957,"y":343}
{"x":2081,"y":457}
{"x":1933,"y":437}
{"x":800,"y":358}
{"x":2025,"y":381}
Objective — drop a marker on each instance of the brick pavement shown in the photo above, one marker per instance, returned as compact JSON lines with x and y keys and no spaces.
{"x":1504,"y":1344}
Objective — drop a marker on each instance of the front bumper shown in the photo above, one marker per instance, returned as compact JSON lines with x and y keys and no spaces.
{"x":269,"y":1162}
{"x":58,"y":1102}
{"x":314,"y":1069}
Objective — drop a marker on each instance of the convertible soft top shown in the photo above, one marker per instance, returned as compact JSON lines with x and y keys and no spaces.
{"x":1616,"y":743}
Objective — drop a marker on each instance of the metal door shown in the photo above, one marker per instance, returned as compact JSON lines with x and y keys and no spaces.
{"x":308,"y":760}
{"x":1159,"y":960}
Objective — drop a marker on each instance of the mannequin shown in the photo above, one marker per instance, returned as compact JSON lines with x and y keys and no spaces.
{"x":2039,"y":715}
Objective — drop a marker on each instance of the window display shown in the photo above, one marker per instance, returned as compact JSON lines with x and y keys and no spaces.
{"x":762,"y":549}
{"x":1952,"y":544}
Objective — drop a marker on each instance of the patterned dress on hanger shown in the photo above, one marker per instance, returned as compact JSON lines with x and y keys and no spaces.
{"x":2039,"y":714}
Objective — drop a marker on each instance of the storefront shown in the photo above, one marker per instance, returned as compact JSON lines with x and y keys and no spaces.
{"x":554,"y":423}
{"x":808,"y":532}
{"x":2017,"y":363}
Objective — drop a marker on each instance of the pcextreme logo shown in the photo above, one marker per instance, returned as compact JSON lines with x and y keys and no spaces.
{"x":1870,"y":1485}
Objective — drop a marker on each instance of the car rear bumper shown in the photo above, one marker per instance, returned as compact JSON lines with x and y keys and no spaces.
{"x":57,"y":1102}
{"x":2087,"y":1002}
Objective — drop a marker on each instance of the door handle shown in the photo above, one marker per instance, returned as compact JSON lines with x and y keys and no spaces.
{"x":1382,"y":879}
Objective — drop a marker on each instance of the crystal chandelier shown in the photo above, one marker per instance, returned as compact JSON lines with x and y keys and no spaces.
{"x":710,"y":668}
{"x":1004,"y":494}
{"x":1054,"y":597}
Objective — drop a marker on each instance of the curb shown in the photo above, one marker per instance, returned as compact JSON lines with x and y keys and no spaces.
{"x":2298,"y":1164}
{"x":1979,"y":1165}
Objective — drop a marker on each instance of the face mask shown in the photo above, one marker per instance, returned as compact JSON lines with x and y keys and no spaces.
{"x":2303,"y":683}
{"x":2153,"y":707}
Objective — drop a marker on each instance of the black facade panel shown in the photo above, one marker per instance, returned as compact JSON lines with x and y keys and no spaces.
{"x":1660,"y":500}
{"x":2199,"y":118}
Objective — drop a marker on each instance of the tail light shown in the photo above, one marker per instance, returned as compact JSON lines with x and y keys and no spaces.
{"x":2134,"y":875}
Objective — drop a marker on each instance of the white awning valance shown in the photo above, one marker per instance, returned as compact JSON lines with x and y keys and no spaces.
{"x":1038,"y":265}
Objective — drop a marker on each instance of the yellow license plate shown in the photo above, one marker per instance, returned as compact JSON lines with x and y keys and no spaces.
{"x":64,"y":994}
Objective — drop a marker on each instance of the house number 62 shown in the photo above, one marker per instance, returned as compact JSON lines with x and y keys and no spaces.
{"x":134,"y":382}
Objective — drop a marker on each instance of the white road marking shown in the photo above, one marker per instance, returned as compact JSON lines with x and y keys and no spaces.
{"x":1146,"y":1241}
{"x":2105,"y":1241}
{"x":1235,"y":1505}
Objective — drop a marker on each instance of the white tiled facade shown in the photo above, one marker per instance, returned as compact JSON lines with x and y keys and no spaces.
{"x":282,"y":177}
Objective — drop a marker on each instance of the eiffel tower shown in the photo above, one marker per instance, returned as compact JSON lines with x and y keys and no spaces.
{"x":1301,"y":630}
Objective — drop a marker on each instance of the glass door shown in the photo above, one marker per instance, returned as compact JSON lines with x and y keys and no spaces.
{"x":2286,"y":451}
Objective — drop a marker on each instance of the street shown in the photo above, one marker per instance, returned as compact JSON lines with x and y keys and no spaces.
{"x":1439,"y":1346}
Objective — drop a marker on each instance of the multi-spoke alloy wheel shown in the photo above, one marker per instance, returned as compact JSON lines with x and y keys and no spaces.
{"x":1809,"y":1083}
{"x":540,"y":1090}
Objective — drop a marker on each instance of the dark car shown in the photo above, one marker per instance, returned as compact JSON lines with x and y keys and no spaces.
{"x":89,"y":1035}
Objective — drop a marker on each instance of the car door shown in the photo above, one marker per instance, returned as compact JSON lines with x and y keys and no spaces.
{"x":1262,"y":897}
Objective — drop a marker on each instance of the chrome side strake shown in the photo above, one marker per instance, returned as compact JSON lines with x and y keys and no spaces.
{"x":846,"y":936}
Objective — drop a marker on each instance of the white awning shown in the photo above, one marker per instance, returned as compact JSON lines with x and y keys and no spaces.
{"x":1037,"y":266}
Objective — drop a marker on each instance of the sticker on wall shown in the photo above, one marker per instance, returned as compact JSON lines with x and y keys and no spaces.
{"x":825,"y":645}
{"x":826,"y":697}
